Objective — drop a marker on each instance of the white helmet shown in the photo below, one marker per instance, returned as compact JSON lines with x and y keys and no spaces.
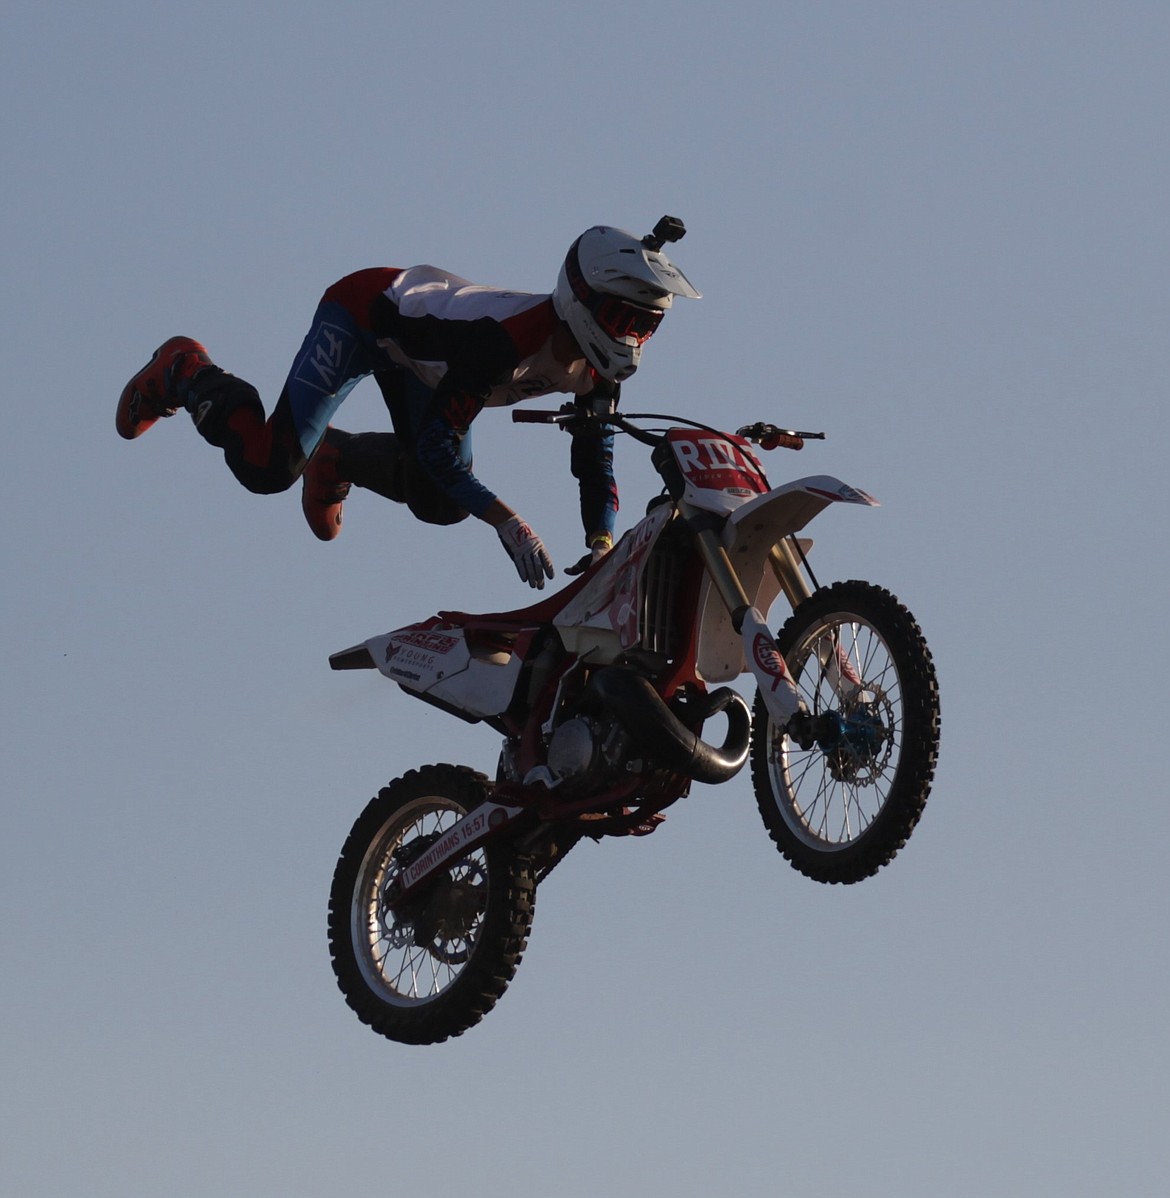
{"x":613,"y":290}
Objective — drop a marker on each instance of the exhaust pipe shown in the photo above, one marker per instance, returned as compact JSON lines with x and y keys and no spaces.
{"x":658,"y":732}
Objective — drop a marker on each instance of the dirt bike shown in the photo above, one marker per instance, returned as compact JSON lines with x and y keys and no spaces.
{"x":601,"y":692}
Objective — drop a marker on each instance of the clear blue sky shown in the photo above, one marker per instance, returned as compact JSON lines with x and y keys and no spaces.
{"x":936,"y":230}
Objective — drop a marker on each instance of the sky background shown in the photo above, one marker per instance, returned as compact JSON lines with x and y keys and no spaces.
{"x":938,"y":231}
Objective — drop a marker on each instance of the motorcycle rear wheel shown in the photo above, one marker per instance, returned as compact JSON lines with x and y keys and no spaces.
{"x":434,"y":969}
{"x":843,"y":808}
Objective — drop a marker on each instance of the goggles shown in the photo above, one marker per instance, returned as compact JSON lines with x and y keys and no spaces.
{"x":617,"y":318}
{"x":620,"y":319}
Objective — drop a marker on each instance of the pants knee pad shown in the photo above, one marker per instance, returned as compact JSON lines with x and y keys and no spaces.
{"x":264,"y":455}
{"x":213,"y":397}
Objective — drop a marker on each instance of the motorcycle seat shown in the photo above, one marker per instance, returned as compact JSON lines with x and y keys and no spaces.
{"x":543,"y":611}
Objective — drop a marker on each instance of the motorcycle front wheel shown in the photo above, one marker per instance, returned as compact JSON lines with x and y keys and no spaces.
{"x":431,"y":969}
{"x":842,"y":808}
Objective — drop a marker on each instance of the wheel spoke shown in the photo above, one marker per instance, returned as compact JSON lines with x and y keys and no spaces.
{"x":842,"y":808}
{"x":426,"y":966}
{"x":406,"y":971}
{"x":833,"y":795}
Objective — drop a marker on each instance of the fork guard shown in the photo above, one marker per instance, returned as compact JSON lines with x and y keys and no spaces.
{"x":660,"y":734}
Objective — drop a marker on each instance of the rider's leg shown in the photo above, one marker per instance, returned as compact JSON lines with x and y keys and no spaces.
{"x":265,"y":455}
{"x":381,"y":462}
{"x":343,"y":460}
{"x":334,"y":355}
{"x":150,"y":394}
{"x":408,"y":403}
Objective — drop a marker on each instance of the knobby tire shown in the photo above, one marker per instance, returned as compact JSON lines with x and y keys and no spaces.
{"x":836,"y":818}
{"x":435,"y":970}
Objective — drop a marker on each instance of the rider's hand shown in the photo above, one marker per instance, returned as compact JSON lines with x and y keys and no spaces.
{"x":601,"y":545}
{"x":526,"y":550}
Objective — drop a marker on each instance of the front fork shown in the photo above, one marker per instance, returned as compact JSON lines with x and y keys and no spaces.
{"x":777,"y":688}
{"x":775,"y":683}
{"x":836,"y":669}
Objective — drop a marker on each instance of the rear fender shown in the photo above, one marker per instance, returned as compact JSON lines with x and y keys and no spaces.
{"x":451,"y":666}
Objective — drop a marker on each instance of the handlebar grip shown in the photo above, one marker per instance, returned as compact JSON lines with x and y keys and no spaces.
{"x":534,"y":416}
{"x":779,"y":440}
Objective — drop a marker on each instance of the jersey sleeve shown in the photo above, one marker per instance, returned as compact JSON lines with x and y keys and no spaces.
{"x":438,"y":443}
{"x":591,"y":461}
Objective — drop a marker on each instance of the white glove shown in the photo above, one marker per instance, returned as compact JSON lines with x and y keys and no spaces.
{"x":526,"y":550}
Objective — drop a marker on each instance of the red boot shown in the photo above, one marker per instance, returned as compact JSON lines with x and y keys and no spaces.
{"x":323,"y":493}
{"x":151,"y":394}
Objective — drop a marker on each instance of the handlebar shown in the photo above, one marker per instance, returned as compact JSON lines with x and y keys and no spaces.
{"x":572,"y":417}
{"x":766,"y":436}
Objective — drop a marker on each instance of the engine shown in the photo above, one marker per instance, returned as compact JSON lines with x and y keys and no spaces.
{"x":621,"y":725}
{"x":586,"y":749}
{"x":585,"y":753}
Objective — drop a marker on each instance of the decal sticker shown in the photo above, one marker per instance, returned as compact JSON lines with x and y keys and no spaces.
{"x":420,"y":655}
{"x":462,"y":410}
{"x":624,"y":610}
{"x":468,"y":830}
{"x":846,"y":667}
{"x":431,"y":642}
{"x":717,"y":463}
{"x":845,"y":494}
{"x":623,"y":607}
{"x":324,"y":364}
{"x":768,"y":658}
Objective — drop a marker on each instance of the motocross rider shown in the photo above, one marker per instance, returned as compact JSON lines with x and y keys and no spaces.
{"x":441,"y":349}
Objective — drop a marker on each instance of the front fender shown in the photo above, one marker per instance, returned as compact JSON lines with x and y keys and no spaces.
{"x":784,"y":510}
{"x":749,"y":535}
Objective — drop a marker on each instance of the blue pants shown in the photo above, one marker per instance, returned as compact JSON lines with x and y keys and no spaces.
{"x":333,"y":358}
{"x":269,"y":455}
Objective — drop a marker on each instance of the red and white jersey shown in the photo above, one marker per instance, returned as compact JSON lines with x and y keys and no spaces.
{"x":473,"y":347}
{"x":426,"y":296}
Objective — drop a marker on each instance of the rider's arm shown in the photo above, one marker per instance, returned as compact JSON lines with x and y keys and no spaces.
{"x":448,"y":415}
{"x":591,"y":460}
{"x":479,"y":355}
{"x":437,"y":448}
